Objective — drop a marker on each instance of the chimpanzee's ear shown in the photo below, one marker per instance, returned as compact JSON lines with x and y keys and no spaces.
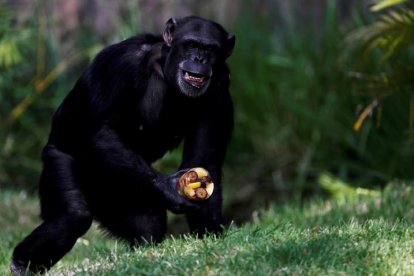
{"x":169,"y":29}
{"x":231,"y":41}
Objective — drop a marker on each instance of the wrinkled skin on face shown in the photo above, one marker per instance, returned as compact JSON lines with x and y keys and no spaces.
{"x":194,"y":47}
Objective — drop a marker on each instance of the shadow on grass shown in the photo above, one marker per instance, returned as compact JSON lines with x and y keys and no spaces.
{"x":317,"y":253}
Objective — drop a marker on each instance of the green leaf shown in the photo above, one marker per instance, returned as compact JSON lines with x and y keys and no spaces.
{"x":383,"y":4}
{"x":9,"y":53}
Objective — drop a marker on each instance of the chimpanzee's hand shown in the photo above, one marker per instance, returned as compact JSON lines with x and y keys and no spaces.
{"x":166,"y":185}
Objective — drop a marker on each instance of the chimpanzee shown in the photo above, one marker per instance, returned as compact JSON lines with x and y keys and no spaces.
{"x":137,"y":100}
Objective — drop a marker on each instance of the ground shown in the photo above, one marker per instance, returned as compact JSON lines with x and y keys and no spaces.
{"x":366,"y":233}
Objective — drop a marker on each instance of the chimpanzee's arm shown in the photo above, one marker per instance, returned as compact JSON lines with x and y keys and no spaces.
{"x":116,"y":156}
{"x":206,"y":147}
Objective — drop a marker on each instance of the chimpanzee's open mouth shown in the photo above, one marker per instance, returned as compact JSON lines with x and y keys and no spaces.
{"x":194,"y":79}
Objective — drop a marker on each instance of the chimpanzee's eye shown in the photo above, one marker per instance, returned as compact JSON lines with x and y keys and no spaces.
{"x":191,"y":44}
{"x":211,"y":48}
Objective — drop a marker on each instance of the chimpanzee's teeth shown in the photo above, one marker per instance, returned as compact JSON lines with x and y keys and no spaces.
{"x":192,"y":78}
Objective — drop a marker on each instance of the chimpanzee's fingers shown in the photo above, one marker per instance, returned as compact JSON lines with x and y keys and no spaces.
{"x":178,"y":174}
{"x":178,"y":204}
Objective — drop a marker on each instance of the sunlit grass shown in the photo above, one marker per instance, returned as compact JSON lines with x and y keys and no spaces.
{"x":366,"y":234}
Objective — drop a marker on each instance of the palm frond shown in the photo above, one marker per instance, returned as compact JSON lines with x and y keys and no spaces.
{"x":384,"y":83}
{"x":383,"y":4}
{"x":391,"y":33}
{"x":389,"y":36}
{"x":11,"y":40}
{"x":9,"y":53}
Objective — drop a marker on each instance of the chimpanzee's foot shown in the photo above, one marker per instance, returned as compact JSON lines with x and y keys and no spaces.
{"x":18,"y":268}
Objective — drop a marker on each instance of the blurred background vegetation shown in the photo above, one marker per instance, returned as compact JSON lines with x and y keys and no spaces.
{"x":322,"y":89}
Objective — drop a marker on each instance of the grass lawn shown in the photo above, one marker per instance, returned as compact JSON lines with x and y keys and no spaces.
{"x":364,"y":234}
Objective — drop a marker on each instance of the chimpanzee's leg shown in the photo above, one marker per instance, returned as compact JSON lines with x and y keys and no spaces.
{"x":138,"y":228}
{"x":64,"y":212}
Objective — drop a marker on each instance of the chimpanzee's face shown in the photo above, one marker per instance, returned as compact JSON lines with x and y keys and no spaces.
{"x":196,"y":46}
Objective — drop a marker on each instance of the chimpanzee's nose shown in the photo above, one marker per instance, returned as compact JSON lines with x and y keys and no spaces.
{"x":199,"y":59}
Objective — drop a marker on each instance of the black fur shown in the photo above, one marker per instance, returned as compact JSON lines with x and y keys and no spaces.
{"x":129,"y":108}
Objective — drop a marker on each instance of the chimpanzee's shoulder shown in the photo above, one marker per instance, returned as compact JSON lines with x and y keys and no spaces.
{"x":143,"y":39}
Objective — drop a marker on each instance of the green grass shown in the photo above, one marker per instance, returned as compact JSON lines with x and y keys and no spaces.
{"x":356,"y":236}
